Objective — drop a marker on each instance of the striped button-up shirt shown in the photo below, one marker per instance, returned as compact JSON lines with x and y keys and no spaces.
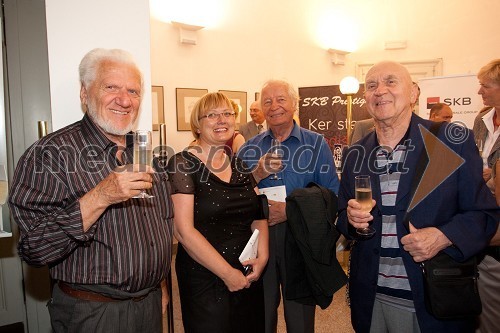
{"x":129,"y":246}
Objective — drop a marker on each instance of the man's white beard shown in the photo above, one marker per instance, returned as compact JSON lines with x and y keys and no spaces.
{"x":107,"y":125}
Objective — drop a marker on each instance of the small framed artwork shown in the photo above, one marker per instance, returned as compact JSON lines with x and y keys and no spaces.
{"x":257,"y":96}
{"x":240,"y":98}
{"x":157,"y":104}
{"x":337,"y":156}
{"x":186,"y":99}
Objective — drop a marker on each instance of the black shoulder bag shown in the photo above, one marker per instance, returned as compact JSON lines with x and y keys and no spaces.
{"x":450,"y":286}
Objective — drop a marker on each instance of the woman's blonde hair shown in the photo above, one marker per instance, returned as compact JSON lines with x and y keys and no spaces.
{"x":490,"y":71}
{"x":236,"y":108}
{"x":205,"y":103}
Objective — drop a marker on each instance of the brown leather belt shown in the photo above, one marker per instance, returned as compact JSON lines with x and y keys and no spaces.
{"x":92,"y":296}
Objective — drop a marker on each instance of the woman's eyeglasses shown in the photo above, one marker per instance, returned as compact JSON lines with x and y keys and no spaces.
{"x":214,"y":116}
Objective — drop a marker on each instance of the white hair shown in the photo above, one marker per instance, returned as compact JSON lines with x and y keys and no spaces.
{"x":93,"y":59}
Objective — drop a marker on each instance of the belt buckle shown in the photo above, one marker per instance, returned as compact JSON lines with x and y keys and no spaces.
{"x":140,"y":298}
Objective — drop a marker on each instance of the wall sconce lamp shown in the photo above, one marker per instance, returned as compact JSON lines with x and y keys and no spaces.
{"x":349,"y":86}
{"x":187,"y":32}
{"x":337,"y":56}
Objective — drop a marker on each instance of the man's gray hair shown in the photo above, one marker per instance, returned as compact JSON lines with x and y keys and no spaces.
{"x":292,"y":92}
{"x":91,"y":62}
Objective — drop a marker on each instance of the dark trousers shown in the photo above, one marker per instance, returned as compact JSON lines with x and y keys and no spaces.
{"x":69,"y":314}
{"x":299,"y":318}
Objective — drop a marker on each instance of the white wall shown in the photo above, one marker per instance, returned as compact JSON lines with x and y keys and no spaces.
{"x":261,"y":39}
{"x":74,"y":27}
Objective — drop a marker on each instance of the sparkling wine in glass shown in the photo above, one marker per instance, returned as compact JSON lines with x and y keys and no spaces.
{"x":276,"y":150}
{"x":143,"y":155}
{"x":363,"y":191}
{"x":479,"y":144}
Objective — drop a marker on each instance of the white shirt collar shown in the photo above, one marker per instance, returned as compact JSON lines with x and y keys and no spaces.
{"x":491,"y":138}
{"x":264,"y":125}
{"x":488,"y":120}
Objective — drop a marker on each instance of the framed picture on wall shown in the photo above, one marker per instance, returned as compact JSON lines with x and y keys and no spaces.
{"x":185,"y":99}
{"x":240,"y":98}
{"x":257,"y":96}
{"x":158,"y":107}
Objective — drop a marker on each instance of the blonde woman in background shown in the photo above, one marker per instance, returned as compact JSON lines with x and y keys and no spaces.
{"x":487,"y":132}
{"x":237,"y":140}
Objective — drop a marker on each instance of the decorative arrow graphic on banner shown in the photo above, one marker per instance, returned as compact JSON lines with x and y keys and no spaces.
{"x":442,"y":163}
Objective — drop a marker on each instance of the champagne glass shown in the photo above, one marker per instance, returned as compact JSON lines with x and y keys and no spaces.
{"x":143,"y":155}
{"x":479,"y":144}
{"x":363,"y":188}
{"x":276,"y":150}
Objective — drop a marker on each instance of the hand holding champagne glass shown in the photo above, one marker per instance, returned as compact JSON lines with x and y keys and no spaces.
{"x":276,"y":150}
{"x":143,"y":155}
{"x":363,"y":189}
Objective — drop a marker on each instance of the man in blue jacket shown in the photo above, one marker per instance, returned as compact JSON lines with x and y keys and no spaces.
{"x":459,"y":216}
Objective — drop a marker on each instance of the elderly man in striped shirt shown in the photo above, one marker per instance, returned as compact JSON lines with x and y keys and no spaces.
{"x":108,"y":254}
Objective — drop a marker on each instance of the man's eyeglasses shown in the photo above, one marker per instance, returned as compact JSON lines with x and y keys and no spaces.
{"x":214,"y":116}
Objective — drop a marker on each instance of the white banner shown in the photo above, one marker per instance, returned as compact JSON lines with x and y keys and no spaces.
{"x":459,"y":92}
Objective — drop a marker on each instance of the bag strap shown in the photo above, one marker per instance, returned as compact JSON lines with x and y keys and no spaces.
{"x":421,"y":165}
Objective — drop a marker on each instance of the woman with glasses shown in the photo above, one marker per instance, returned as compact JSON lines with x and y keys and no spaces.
{"x":216,"y":208}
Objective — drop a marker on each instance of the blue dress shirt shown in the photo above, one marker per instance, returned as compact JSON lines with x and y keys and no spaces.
{"x":306,"y":158}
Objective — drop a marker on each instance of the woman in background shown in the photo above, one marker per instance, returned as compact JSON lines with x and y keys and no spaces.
{"x":216,"y":208}
{"x":487,"y":131}
{"x":237,"y":140}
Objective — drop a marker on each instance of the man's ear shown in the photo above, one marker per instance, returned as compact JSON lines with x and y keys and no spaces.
{"x":414,"y":94}
{"x":83,"y":95}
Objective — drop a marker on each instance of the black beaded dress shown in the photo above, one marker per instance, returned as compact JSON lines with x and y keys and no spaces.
{"x":223,"y":213}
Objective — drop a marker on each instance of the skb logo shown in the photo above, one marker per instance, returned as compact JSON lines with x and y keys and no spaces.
{"x":450,"y":101}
